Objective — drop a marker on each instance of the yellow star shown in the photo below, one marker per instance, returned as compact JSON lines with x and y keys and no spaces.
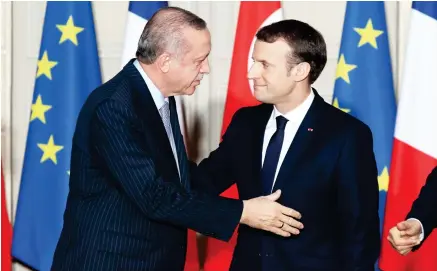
{"x":69,"y":31}
{"x":45,"y":66}
{"x":383,"y":180}
{"x":336,"y":104}
{"x":343,"y":69}
{"x":39,"y":109}
{"x":368,"y":34}
{"x":50,"y":150}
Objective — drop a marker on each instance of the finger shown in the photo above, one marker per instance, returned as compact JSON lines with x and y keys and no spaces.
{"x":406,"y":241}
{"x":393,"y":245}
{"x":290,"y":212}
{"x":276,"y":223}
{"x":274,"y":196}
{"x":413,"y":230}
{"x":290,"y":229}
{"x":390,"y":239}
{"x":394,"y":231}
{"x":401,"y":248}
{"x":278,"y":231}
{"x":409,"y":233}
{"x":291,"y":222}
{"x":408,"y":228}
{"x":405,"y":252}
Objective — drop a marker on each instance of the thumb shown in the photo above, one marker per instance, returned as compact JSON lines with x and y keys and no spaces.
{"x":274,"y":196}
{"x":403,"y":226}
{"x":407,"y":228}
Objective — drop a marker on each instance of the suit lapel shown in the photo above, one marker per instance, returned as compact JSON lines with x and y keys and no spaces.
{"x":302,"y":141}
{"x":155,"y":134}
{"x":260,"y":123}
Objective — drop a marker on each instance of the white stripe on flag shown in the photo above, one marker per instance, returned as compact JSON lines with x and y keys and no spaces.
{"x":417,"y":111}
{"x":134,"y":27}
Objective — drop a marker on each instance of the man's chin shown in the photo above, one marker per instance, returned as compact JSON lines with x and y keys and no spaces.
{"x":259,"y":97}
{"x":190,"y":91}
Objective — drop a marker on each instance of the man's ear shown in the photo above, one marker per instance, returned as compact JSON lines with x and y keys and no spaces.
{"x":301,"y":71}
{"x":163,"y":62}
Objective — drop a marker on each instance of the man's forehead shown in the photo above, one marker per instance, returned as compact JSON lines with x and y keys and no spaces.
{"x":267,"y":49}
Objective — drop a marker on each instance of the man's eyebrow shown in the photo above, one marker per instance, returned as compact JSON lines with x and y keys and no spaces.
{"x":262,"y":61}
{"x":201,"y":57}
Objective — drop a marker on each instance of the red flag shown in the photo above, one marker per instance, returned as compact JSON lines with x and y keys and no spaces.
{"x":415,"y":145}
{"x":252,"y":16}
{"x":191,"y":145}
{"x":6,"y":232}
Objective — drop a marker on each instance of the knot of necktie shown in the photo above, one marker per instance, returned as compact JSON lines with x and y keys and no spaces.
{"x":281,"y":122}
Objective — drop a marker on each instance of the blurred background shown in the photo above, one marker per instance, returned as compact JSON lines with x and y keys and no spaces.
{"x":203,"y":113}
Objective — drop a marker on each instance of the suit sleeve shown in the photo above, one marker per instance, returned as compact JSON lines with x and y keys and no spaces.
{"x":134,"y":173}
{"x":214,"y":174}
{"x":358,"y":199}
{"x":424,"y":208}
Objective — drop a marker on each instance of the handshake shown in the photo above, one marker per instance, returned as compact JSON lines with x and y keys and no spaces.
{"x":266,"y":214}
{"x":406,"y":235}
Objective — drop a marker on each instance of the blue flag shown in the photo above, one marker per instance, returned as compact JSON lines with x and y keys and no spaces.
{"x":364,"y":82}
{"x":68,"y":70}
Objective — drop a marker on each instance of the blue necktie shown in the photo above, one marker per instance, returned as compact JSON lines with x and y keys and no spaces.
{"x":272,"y":156}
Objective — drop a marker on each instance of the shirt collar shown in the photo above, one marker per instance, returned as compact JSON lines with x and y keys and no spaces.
{"x":297,"y":114}
{"x":157,"y":96}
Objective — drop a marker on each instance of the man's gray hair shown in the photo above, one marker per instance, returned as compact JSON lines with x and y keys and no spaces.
{"x":163,"y":33}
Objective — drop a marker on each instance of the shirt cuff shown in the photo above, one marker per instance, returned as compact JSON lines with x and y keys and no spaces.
{"x":422,"y":234}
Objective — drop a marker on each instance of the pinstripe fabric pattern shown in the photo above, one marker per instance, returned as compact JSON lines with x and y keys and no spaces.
{"x":126,"y":208}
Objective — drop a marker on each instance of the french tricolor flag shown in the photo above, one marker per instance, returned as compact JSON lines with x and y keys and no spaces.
{"x":138,"y":15}
{"x":415,"y":143}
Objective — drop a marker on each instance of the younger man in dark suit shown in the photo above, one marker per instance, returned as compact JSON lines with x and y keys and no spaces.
{"x":320,"y":157}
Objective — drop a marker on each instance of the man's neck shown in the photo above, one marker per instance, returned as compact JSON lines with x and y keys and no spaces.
{"x":296,"y":98}
{"x":156,"y":77}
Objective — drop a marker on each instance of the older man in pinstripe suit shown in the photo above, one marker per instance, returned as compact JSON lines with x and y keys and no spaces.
{"x":130,"y":200}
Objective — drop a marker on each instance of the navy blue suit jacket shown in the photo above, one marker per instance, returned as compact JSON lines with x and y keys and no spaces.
{"x":425,"y":206}
{"x":127,"y":207}
{"x":329,"y":175}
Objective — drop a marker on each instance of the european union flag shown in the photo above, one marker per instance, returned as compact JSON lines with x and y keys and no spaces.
{"x":68,"y":70}
{"x":364,"y":82}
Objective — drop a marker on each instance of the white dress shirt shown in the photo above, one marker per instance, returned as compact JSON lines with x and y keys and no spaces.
{"x":295,"y":118}
{"x":159,"y":100}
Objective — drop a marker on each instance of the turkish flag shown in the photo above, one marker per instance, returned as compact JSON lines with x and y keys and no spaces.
{"x":252,"y":16}
{"x":415,"y":144}
{"x":6,"y":232}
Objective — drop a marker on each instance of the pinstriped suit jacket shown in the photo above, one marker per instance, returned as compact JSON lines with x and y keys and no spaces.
{"x":127,"y":207}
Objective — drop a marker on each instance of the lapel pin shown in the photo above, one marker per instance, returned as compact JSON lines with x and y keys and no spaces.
{"x":310,"y":129}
